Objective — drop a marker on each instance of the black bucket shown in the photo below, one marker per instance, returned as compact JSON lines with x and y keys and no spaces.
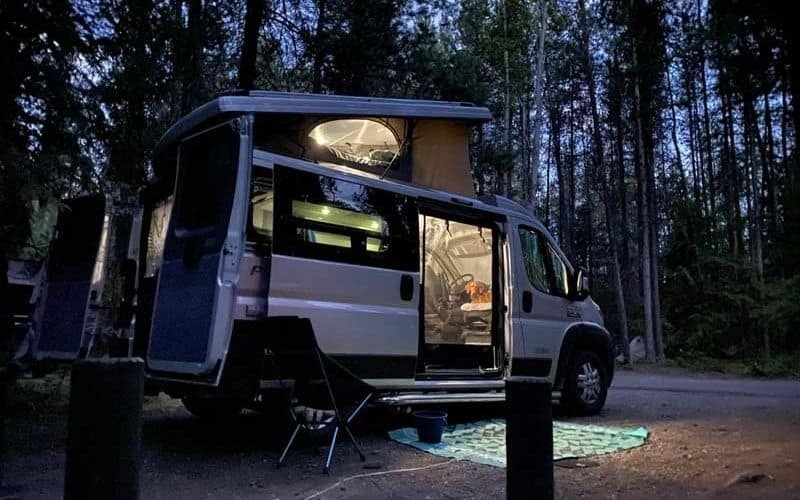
{"x":430,"y":425}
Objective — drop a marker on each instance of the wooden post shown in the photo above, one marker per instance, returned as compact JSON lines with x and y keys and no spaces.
{"x":104,"y":429}
{"x":5,"y":386}
{"x":529,"y":439}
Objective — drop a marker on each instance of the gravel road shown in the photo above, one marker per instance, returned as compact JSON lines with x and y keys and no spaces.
{"x":710,"y":438}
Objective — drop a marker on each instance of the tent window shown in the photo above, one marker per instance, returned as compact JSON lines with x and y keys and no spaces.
{"x":360,"y":141}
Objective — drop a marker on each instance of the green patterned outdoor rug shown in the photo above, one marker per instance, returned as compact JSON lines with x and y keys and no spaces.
{"x":484,"y":442}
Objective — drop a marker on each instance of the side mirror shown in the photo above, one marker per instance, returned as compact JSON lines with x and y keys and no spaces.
{"x":581,"y":284}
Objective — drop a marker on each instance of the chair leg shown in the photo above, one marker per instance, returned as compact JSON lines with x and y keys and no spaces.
{"x":327,"y":467}
{"x":288,"y":445}
{"x":358,"y":408}
{"x":355,"y":443}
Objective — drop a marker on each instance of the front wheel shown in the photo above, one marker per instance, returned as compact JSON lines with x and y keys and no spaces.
{"x":586,"y":384}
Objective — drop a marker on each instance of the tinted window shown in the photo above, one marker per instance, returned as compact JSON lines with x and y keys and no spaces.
{"x":324,"y":218}
{"x":207,"y":173}
{"x":534,"y":258}
{"x":559,"y":272}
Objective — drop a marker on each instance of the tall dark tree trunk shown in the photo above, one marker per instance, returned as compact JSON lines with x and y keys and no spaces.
{"x":571,"y":167}
{"x":598,"y":172}
{"x":751,"y":134}
{"x":653,"y":226}
{"x":768,"y":172}
{"x":694,"y":144}
{"x":710,"y":179}
{"x":538,"y":103}
{"x":254,"y":17}
{"x":645,"y":254}
{"x":561,"y":179}
{"x":319,"y":44}
{"x":615,"y":112}
{"x":678,"y":161}
{"x":191,"y":77}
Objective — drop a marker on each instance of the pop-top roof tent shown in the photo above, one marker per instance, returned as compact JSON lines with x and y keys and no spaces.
{"x":430,"y":139}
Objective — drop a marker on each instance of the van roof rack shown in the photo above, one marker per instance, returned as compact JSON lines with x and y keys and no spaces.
{"x":504,"y":203}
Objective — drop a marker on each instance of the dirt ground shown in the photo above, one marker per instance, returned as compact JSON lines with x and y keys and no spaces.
{"x":710,"y":438}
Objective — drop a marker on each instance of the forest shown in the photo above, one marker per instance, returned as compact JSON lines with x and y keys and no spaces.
{"x":656,"y":139}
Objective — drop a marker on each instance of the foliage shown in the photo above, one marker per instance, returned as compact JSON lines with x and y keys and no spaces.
{"x":699,"y":97}
{"x":716,"y":304}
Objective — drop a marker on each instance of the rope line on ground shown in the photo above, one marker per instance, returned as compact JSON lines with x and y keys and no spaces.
{"x":379,"y":473}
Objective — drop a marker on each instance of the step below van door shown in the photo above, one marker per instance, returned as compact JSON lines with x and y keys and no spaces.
{"x":195,"y":293}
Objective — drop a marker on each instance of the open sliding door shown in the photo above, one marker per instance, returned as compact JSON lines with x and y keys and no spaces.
{"x":462,"y":307}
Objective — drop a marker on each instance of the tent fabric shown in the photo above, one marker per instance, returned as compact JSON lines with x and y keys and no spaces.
{"x":439,"y":148}
{"x":440,"y":156}
{"x":484,"y":442}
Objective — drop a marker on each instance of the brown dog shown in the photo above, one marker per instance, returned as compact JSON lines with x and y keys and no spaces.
{"x":479,"y":292}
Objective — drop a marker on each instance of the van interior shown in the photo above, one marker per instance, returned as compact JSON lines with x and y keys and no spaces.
{"x":459,"y":297}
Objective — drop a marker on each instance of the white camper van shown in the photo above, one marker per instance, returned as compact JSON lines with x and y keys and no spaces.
{"x":359,"y":214}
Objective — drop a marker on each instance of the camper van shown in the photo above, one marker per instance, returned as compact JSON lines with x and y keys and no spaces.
{"x":359,"y":214}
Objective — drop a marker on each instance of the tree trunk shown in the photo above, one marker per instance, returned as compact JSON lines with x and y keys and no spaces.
{"x":622,"y":204}
{"x":507,"y":104}
{"x":768,"y":176}
{"x":644,"y":251}
{"x":253,"y":20}
{"x":694,"y":146}
{"x":706,"y":119}
{"x":538,"y":103}
{"x":570,"y":246}
{"x":561,"y":181}
{"x":684,"y":184}
{"x":547,"y":183}
{"x":525,"y":147}
{"x":191,"y":81}
{"x":598,"y":171}
{"x":319,"y":56}
{"x":734,"y":182}
{"x":728,"y":167}
{"x":653,"y":246}
{"x":752,"y":133}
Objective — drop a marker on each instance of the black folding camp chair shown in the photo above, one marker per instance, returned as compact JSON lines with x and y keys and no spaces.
{"x":325,"y":396}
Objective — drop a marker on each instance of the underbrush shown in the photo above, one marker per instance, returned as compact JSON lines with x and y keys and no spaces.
{"x":777,"y":366}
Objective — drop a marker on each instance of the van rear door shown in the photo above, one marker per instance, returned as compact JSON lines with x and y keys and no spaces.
{"x":192,"y":312}
{"x":69,"y":277}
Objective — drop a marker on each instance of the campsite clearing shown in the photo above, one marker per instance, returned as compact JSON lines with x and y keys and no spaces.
{"x":709,"y":437}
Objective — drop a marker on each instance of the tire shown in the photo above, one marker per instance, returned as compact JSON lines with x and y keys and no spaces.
{"x":212,"y":408}
{"x":578,"y":397}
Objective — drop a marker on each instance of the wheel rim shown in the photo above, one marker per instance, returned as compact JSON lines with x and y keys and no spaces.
{"x":589,"y":383}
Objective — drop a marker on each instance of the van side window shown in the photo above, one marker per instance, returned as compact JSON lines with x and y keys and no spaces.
{"x":262,"y":203}
{"x":533,"y":257}
{"x":325,"y":218}
{"x":560,"y":272}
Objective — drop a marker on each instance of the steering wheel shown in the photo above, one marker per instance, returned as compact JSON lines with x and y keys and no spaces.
{"x":458,"y":285}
